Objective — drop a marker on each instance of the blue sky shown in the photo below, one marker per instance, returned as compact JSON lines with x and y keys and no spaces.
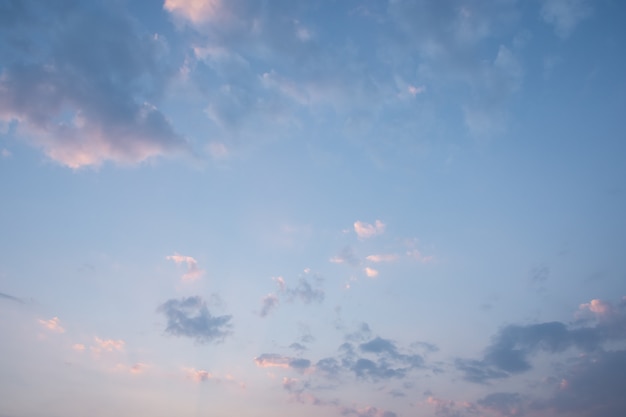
{"x":343,"y":208}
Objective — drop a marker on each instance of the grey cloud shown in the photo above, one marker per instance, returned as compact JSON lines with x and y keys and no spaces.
{"x":80,"y":80}
{"x":297,"y":346}
{"x":592,"y":387}
{"x":379,"y":345}
{"x":275,"y":359}
{"x":305,"y":292}
{"x":11,"y":298}
{"x":190,"y":317}
{"x":507,"y":404}
{"x":268,"y":303}
{"x":513,"y":346}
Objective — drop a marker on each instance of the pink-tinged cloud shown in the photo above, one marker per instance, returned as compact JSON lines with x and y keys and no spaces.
{"x":597,"y":307}
{"x":198,"y":375}
{"x":280,"y":281}
{"x":53,"y":325}
{"x":196,"y":11}
{"x":5,"y":153}
{"x":371,"y":272}
{"x":413,"y":90}
{"x":272,"y":361}
{"x":193,"y":271}
{"x":139,"y":368}
{"x":366,"y":230}
{"x":390,"y":257}
{"x":78,"y":347}
{"x":107,"y":345}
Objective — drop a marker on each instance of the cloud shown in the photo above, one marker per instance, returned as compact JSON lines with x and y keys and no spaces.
{"x":54,"y":325}
{"x":108,"y":345}
{"x":346,"y":256}
{"x":268,"y":360}
{"x":190,"y":317}
{"x":193,"y":271}
{"x":506,"y":404}
{"x":565,"y":15}
{"x":305,"y":292}
{"x":390,"y":257}
{"x":593,"y":386}
{"x":513,"y":346}
{"x":366,"y":230}
{"x":196,"y":11}
{"x":9,"y":297}
{"x":82,"y":90}
{"x":268,"y":303}
{"x":371,"y":272}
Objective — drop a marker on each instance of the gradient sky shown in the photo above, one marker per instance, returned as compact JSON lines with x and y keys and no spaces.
{"x":375,"y":208}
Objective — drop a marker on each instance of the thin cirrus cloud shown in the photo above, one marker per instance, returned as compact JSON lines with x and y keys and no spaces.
{"x":193,"y":270}
{"x":82,"y":101}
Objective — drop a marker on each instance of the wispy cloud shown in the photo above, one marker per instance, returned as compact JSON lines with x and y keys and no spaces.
{"x":565,"y":15}
{"x":9,"y":297}
{"x":190,"y":317}
{"x":193,"y":271}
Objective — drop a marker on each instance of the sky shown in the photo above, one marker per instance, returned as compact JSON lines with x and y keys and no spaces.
{"x":255,"y":208}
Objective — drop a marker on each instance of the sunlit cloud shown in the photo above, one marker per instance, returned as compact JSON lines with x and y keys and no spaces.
{"x":54,"y":325}
{"x":272,"y":360}
{"x":193,"y":271}
{"x":598,"y":307}
{"x":371,"y":272}
{"x":390,"y":257}
{"x":106,"y":345}
{"x":196,"y":11}
{"x":366,"y":230}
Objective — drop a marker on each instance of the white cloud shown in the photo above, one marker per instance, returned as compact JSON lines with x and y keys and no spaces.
{"x":366,"y":230}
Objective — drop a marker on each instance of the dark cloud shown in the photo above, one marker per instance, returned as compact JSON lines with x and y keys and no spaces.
{"x":9,"y":297}
{"x":190,"y":317}
{"x":593,"y":386}
{"x":512,"y":348}
{"x":80,"y":79}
